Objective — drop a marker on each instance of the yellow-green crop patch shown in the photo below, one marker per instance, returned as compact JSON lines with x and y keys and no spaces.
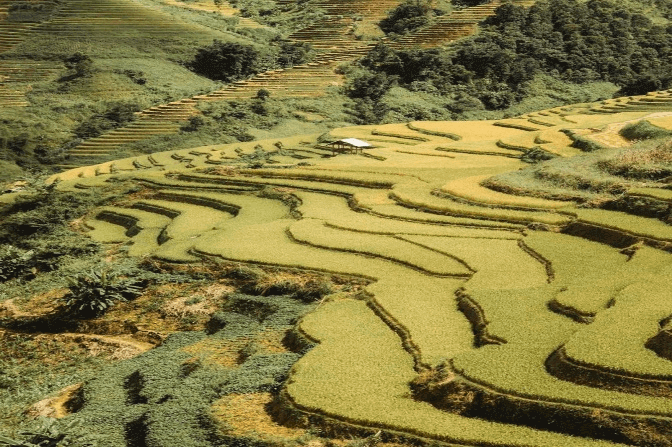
{"x":460,"y":291}
{"x":635,"y":225}
{"x":416,"y":197}
{"x":315,"y":233}
{"x":359,"y":359}
{"x":616,"y":340}
{"x":499,"y":264}
{"x":470,"y":188}
{"x":336,"y":213}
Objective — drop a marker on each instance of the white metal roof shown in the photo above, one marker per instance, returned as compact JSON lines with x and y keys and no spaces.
{"x":354,"y":142}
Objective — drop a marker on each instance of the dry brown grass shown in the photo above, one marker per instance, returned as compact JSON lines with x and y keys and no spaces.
{"x":229,"y":354}
{"x":55,"y":407}
{"x":245,"y":415}
{"x":659,"y":154}
{"x":37,"y":305}
{"x":167,"y":308}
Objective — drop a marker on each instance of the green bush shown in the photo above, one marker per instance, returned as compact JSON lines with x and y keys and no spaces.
{"x":226,"y":61}
{"x":525,"y":44}
{"x":406,"y":17}
{"x":15,"y":262}
{"x":581,"y":142}
{"x":116,"y":115}
{"x":80,"y":66}
{"x":91,"y":294}
{"x":52,"y":433}
{"x":195,"y":123}
{"x":643,"y":130}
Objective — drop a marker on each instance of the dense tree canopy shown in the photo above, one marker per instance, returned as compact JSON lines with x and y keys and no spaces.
{"x":226,"y":61}
{"x":407,"y":16}
{"x":569,"y":40}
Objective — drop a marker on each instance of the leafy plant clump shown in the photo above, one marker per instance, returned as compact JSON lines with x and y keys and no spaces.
{"x":52,"y":433}
{"x":91,"y":294}
{"x":581,"y":142}
{"x":116,"y":115}
{"x":15,"y":262}
{"x":407,"y":17}
{"x":643,"y":130}
{"x":226,"y":61}
{"x":232,"y":61}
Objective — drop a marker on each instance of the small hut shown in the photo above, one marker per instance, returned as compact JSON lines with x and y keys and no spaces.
{"x":349,"y":145}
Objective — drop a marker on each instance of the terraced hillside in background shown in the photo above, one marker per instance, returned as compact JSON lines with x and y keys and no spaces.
{"x":335,"y":39}
{"x":487,"y":318}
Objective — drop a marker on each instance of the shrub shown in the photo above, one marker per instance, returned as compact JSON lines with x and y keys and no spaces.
{"x":537,"y":154}
{"x":294,"y":53}
{"x":407,"y":17}
{"x":263,"y":94}
{"x":81,"y":66}
{"x":52,"y":433}
{"x":117,"y":114}
{"x":15,"y":262}
{"x":226,"y":61}
{"x":582,"y":143}
{"x":643,"y":130}
{"x":91,"y":294}
{"x":195,"y":123}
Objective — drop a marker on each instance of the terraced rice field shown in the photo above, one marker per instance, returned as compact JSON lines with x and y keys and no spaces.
{"x":78,"y":21}
{"x":223,"y":7}
{"x":334,"y":37}
{"x":16,"y":76}
{"x":485,"y":321}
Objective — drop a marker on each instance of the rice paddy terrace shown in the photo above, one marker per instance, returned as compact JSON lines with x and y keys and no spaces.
{"x":488,"y":318}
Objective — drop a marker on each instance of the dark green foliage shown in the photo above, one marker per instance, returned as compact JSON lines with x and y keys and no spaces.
{"x":293,"y":53}
{"x":263,"y":94}
{"x":116,"y":115}
{"x":16,"y":262}
{"x":195,"y":123}
{"x":41,"y":211}
{"x":51,"y":433}
{"x":91,"y":294}
{"x":80,"y":66}
{"x":31,"y":12}
{"x":371,"y":86}
{"x":468,"y":3}
{"x":536,"y":155}
{"x":568,"y":40}
{"x":406,"y":17}
{"x":643,"y":130}
{"x":226,"y":61}
{"x":164,"y":396}
{"x":581,"y":142}
{"x":138,"y":77}
{"x":231,"y":61}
